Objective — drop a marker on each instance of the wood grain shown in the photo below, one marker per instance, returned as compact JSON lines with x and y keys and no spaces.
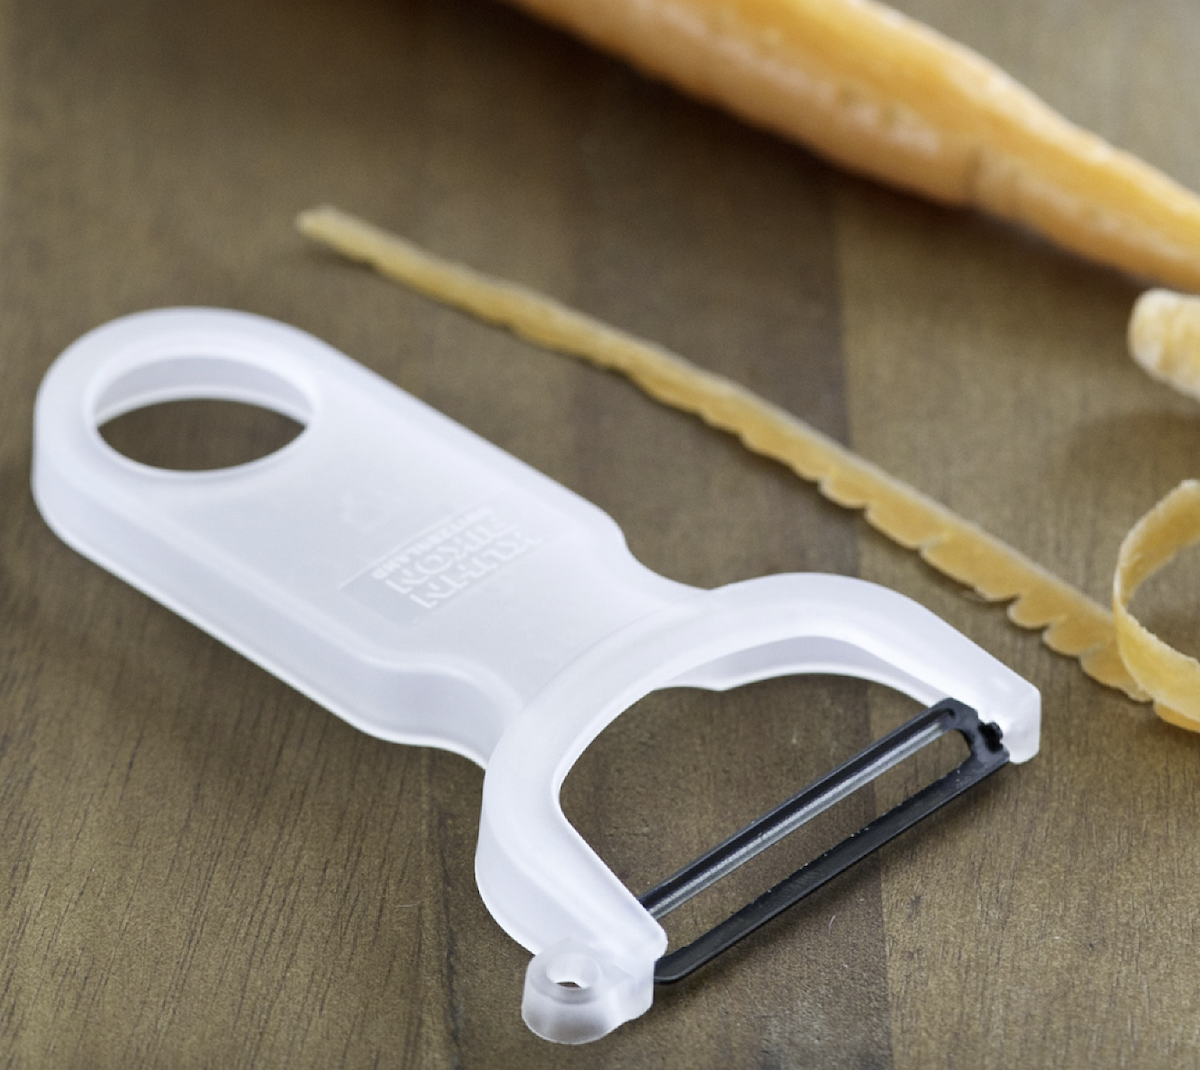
{"x":206,"y":870}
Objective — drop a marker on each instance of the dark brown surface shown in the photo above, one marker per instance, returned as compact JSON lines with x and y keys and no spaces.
{"x":204,"y":869}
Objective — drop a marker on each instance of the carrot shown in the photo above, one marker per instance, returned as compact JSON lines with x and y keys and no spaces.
{"x":885,"y":96}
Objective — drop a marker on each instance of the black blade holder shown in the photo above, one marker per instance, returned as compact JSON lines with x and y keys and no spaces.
{"x":987,"y":754}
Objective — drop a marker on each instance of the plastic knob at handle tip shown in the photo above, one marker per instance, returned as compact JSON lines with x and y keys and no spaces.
{"x":573,"y":996}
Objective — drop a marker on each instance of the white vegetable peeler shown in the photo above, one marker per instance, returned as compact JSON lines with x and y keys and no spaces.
{"x":431,"y":589}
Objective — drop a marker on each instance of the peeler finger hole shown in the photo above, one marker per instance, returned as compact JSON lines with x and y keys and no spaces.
{"x":192,"y":413}
{"x":199,"y":435}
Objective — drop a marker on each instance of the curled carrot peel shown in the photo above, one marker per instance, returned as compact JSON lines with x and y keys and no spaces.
{"x":888,"y":97}
{"x":1164,"y":338}
{"x":1170,"y":677}
{"x":1070,"y":622}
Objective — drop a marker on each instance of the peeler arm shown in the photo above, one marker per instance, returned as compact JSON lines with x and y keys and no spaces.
{"x":595,"y":946}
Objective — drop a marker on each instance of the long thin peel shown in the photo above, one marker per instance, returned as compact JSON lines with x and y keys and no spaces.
{"x":1071,"y":623}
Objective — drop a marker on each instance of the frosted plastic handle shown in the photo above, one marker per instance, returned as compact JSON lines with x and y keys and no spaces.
{"x":397,"y":568}
{"x":431,"y":589}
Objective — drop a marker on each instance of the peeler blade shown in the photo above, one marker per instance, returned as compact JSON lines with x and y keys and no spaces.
{"x":987,"y":754}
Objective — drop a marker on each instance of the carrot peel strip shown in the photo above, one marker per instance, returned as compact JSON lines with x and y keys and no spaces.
{"x":1070,"y":622}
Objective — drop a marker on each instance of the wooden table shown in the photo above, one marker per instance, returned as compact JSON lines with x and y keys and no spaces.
{"x":203,"y":868}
